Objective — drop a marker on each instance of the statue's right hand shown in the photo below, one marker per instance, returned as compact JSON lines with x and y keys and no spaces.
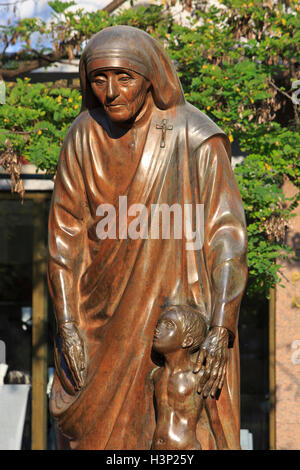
{"x":74,"y":353}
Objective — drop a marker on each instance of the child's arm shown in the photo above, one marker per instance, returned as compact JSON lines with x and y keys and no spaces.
{"x":154,"y":374}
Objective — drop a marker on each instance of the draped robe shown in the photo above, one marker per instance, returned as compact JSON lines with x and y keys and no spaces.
{"x":116,"y":289}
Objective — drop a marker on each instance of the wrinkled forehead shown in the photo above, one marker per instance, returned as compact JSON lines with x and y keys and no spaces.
{"x":116,"y":59}
{"x":98,"y":67}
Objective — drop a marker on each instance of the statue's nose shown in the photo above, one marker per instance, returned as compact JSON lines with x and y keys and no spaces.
{"x":112,"y":89}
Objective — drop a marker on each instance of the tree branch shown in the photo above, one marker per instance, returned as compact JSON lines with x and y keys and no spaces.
{"x":287,"y":96}
{"x":25,"y":67}
{"x":279,"y":90}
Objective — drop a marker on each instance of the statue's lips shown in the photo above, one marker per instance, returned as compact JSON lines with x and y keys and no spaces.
{"x":114,"y":106}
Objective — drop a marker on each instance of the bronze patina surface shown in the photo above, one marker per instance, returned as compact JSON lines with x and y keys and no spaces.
{"x":137,"y":140}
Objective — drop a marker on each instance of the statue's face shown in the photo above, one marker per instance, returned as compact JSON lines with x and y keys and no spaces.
{"x":121,"y":92}
{"x":168,"y":336}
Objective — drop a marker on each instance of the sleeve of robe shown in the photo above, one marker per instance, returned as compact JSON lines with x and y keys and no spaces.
{"x":66,"y":232}
{"x":225,"y":239}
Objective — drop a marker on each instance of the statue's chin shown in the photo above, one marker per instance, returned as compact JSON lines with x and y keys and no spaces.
{"x":119,"y":113}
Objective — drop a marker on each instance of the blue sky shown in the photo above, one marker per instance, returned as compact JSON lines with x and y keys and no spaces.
{"x":29,"y":8}
{"x":13,"y":10}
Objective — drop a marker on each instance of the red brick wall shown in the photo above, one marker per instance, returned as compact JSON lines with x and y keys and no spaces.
{"x":287,"y":349}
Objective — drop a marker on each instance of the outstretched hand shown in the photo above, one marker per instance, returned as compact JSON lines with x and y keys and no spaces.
{"x":73,"y":351}
{"x":212,"y":361}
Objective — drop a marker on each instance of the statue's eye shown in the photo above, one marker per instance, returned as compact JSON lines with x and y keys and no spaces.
{"x":124,"y":78}
{"x":100,"y":81}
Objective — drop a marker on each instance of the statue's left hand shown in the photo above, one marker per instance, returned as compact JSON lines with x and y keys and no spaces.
{"x":211,"y":362}
{"x":74,"y":352}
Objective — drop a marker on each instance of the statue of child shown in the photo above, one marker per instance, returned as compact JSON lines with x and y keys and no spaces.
{"x":180,"y":330}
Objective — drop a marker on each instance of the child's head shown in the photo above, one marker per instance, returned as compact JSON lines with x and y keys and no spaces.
{"x":179,"y":326}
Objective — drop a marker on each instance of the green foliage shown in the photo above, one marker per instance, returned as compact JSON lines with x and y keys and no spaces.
{"x":236,"y":63}
{"x":228,"y":64}
{"x":35,"y":119}
{"x":60,"y":7}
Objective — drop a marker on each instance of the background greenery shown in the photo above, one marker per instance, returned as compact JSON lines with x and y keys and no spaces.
{"x":237,"y":63}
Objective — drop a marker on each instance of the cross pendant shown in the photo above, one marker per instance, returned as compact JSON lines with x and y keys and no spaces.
{"x":164,"y":128}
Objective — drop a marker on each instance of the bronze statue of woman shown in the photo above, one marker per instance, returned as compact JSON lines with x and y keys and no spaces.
{"x":138,"y":142}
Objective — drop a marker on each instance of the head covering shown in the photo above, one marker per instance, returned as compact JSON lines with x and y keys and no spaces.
{"x":132,"y":49}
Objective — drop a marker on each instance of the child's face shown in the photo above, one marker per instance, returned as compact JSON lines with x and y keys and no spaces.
{"x":168,"y":336}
